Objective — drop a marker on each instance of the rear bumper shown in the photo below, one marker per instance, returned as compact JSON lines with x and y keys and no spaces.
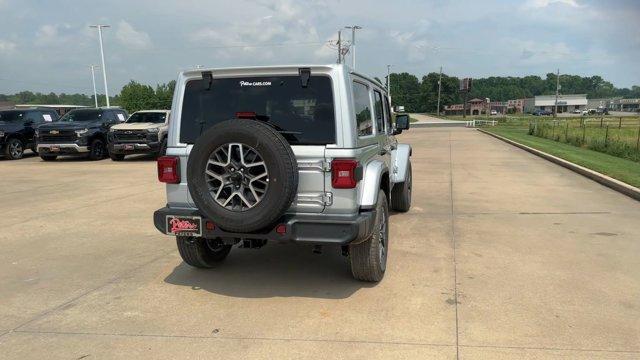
{"x":307,"y":229}
{"x":63,"y":149}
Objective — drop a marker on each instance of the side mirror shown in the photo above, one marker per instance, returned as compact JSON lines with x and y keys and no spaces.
{"x":402,"y":123}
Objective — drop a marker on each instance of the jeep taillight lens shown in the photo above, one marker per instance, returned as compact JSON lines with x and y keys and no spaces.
{"x":168,"y":169}
{"x":344,"y":173}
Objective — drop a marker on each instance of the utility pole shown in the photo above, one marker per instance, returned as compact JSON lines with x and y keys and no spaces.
{"x":353,"y":43}
{"x":93,"y":80}
{"x":555,"y":112}
{"x":104,"y":68}
{"x":439,"y":87}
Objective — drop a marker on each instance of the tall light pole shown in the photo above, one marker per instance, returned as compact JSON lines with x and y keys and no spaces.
{"x":439,"y":87}
{"x":104,"y":68}
{"x":353,"y":43}
{"x":555,"y":112}
{"x":93,"y":80}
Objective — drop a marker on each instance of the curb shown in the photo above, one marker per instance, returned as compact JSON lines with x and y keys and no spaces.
{"x":437,"y":124}
{"x":617,"y":185}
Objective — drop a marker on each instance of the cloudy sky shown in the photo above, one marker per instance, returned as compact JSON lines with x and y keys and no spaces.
{"x":48,"y":45}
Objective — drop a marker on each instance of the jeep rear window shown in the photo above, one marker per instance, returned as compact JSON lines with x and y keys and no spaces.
{"x":303,"y":115}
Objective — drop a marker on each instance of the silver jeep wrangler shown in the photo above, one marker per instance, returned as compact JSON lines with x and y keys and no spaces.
{"x":303,"y":154}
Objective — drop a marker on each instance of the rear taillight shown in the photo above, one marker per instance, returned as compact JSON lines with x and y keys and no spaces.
{"x":168,"y":169}
{"x":345,"y":173}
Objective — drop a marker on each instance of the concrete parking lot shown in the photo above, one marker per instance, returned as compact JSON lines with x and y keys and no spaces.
{"x":503,"y":256}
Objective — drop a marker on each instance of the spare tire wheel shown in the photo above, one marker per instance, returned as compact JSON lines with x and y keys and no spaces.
{"x":242,"y":174}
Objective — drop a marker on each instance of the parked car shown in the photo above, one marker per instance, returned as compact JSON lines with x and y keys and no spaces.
{"x":494,"y":112}
{"x":145,"y":132}
{"x":577,"y":111}
{"x":17,"y":129}
{"x":78,"y":132}
{"x":542,"y":113}
{"x":259,"y":155}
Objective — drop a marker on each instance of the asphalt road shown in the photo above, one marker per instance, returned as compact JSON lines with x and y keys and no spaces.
{"x":503,"y":256}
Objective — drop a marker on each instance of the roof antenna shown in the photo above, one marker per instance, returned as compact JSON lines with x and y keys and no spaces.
{"x":305,"y":75}
{"x":207,"y":75}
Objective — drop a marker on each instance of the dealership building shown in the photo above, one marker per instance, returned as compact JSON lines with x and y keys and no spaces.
{"x":566,"y":103}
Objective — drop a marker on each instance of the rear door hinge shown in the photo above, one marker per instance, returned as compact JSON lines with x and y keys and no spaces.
{"x":327,"y":199}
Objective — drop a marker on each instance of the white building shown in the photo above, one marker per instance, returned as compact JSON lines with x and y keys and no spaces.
{"x":566,"y":103}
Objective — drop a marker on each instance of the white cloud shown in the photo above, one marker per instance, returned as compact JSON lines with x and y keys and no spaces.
{"x":545,"y":3}
{"x":132,"y":38}
{"x":536,"y":53}
{"x":56,"y":34}
{"x":415,"y":45}
{"x":7,"y":46}
{"x":277,"y":35}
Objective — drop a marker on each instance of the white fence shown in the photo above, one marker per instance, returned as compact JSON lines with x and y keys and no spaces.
{"x":476,"y":123}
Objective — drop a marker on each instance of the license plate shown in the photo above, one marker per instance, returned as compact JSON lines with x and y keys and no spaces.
{"x":184,"y":225}
{"x":128,"y":147}
{"x":54,"y":149}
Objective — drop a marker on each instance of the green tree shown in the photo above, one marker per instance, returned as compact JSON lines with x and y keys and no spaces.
{"x":405,"y":91}
{"x":164,"y":95}
{"x":135,"y":96}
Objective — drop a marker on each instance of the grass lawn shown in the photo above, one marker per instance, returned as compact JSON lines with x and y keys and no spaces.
{"x":624,"y":170}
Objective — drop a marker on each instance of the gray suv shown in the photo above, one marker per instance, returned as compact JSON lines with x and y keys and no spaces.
{"x":302,"y":154}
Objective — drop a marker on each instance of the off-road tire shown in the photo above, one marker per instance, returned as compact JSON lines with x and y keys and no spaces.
{"x":401,"y":193}
{"x":278,"y":158}
{"x":117,"y":157}
{"x":365,"y":258}
{"x":48,"y":157}
{"x":14,"y":149}
{"x":196,"y":252}
{"x":97,"y":150}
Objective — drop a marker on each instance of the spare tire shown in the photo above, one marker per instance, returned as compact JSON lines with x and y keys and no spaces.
{"x":242,"y":174}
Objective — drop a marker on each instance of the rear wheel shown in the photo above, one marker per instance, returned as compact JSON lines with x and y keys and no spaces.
{"x":97,"y":150}
{"x":369,"y":258}
{"x":14,"y":149}
{"x":401,"y":193}
{"x":48,"y":157}
{"x":117,"y":157}
{"x":200,"y":252}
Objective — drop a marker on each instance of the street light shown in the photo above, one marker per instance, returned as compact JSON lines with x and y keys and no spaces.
{"x":104,"y":68}
{"x":93,"y":80}
{"x":353,"y":43}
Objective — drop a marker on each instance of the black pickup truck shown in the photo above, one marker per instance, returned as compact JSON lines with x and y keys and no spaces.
{"x":79,"y":132}
{"x":17,"y":129}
